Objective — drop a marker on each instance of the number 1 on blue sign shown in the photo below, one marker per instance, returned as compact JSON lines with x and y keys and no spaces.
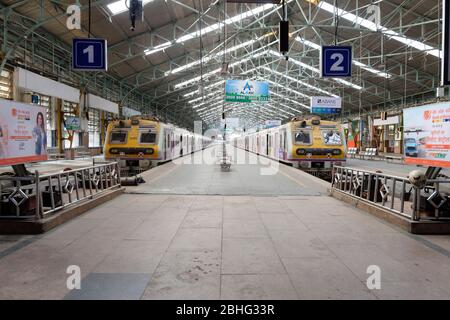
{"x":90,"y":52}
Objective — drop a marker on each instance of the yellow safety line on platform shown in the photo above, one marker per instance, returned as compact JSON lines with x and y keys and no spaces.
{"x":293,"y":179}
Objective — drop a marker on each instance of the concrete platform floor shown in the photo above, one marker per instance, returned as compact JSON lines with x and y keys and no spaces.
{"x":250,"y":245}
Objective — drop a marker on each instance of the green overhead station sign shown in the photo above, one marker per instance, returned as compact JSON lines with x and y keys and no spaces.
{"x":246,"y":91}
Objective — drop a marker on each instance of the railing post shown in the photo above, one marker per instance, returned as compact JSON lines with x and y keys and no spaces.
{"x":416,"y":204}
{"x":118,"y":173}
{"x":38,"y":195}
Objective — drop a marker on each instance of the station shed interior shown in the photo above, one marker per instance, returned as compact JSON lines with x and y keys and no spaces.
{"x":216,"y":194}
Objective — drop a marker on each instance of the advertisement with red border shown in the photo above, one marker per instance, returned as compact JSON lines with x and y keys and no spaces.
{"x":23,"y":136}
{"x":426,"y":135}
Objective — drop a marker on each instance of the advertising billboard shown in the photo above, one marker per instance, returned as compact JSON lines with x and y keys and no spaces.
{"x":22,"y":133}
{"x":246,"y":91}
{"x":73,"y":123}
{"x":326,"y":105}
{"x":426,"y":135}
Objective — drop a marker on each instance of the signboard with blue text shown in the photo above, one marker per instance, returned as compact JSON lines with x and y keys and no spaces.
{"x":89,"y":54}
{"x":336,"y":61}
{"x":246,"y":91}
{"x":326,"y":105}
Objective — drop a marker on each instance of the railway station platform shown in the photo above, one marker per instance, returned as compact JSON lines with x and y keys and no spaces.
{"x":192,"y":231}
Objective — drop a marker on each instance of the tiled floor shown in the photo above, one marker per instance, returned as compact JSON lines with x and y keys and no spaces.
{"x":247,"y":246}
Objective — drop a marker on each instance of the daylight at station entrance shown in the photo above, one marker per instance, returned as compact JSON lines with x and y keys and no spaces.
{"x":231,"y":157}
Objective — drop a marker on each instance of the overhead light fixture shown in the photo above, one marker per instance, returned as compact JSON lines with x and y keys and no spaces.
{"x":204,"y":96}
{"x":217,"y":25}
{"x":158,"y":48}
{"x":206,"y":75}
{"x":215,"y":84}
{"x":374,"y":27}
{"x":348,"y":83}
{"x":305,"y":84}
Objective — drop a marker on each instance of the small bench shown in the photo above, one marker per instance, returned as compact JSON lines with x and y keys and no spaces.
{"x":370,"y":153}
{"x":352,"y":152}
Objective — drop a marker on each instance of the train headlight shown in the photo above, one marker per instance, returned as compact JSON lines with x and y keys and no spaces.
{"x":113,"y":151}
{"x":336,"y":152}
{"x":301,"y":152}
{"x":304,"y":164}
{"x":149,"y":151}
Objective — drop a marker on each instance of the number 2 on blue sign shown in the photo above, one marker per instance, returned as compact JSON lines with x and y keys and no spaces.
{"x":336,"y":61}
{"x":337,"y":65}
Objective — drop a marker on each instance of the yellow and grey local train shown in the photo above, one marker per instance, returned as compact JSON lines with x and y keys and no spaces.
{"x":143,"y":142}
{"x":308,"y":143}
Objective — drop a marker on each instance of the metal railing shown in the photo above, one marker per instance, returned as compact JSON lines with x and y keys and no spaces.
{"x":393,"y":193}
{"x":40,"y":195}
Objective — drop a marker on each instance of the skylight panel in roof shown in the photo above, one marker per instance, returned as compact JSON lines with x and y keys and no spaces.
{"x":117,"y":7}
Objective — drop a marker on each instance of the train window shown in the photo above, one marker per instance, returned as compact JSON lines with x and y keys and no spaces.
{"x":148,"y":137}
{"x":118,"y":137}
{"x":303,"y":137}
{"x":332,"y":137}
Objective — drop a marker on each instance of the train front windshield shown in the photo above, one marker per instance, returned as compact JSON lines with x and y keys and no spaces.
{"x":118,"y":137}
{"x":332,"y":137}
{"x":148,"y":137}
{"x":303,"y":137}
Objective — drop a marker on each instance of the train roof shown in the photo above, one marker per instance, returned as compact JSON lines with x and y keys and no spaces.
{"x":313,"y":120}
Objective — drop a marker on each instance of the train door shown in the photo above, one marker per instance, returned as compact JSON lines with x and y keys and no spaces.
{"x":167,"y":144}
{"x":257,"y":144}
{"x":181,"y":145}
{"x":284,"y":144}
{"x":267,"y":144}
{"x":276,"y":143}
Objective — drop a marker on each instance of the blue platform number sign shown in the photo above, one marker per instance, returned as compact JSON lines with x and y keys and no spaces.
{"x":336,"y":61}
{"x":89,"y":54}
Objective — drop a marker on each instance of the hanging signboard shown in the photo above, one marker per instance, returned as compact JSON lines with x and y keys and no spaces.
{"x":246,"y":91}
{"x":73,"y":123}
{"x":336,"y":61}
{"x":426,"y":135}
{"x":89,"y":54}
{"x":22,"y":133}
{"x":326,"y":105}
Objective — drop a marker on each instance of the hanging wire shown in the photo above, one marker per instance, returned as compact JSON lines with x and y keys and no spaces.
{"x":89,"y":23}
{"x":201,"y":50}
{"x":336,"y":21}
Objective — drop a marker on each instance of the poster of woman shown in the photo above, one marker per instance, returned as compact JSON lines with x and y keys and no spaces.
{"x":3,"y":140}
{"x":39,"y":135}
{"x":22,"y":133}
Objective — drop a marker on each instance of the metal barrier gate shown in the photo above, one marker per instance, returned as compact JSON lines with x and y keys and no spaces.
{"x":393,"y":193}
{"x":39,"y":195}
